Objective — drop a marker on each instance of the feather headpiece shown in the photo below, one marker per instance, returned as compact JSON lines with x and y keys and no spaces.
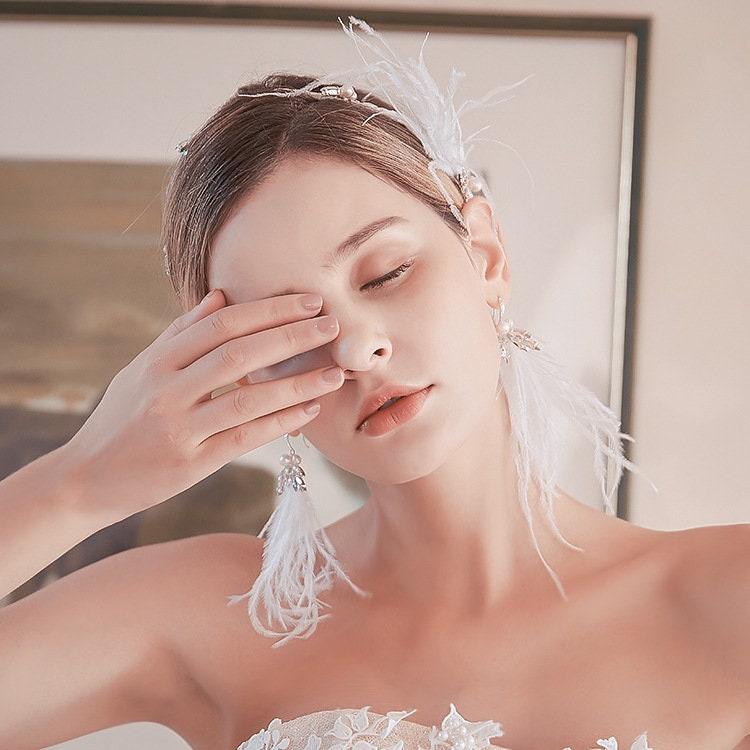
{"x":414,"y":99}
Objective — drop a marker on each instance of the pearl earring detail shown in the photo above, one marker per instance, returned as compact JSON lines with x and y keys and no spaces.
{"x":508,"y":334}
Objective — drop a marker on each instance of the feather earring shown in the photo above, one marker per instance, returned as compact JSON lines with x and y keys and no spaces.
{"x":543,"y":402}
{"x":299,"y":562}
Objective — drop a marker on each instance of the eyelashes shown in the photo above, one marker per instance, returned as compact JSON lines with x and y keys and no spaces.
{"x":388,"y":277}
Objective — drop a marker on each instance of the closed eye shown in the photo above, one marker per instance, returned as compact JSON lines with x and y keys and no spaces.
{"x":390,"y":276}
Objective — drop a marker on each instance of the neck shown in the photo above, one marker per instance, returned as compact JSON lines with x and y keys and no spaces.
{"x":459,"y":530}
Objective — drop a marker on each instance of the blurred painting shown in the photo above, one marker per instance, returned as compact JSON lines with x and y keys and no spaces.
{"x":82,"y":291}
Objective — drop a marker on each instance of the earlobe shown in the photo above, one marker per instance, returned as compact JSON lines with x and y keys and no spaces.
{"x":486,"y":249}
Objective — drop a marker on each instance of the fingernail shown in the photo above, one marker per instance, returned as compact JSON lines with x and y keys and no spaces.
{"x":327,"y":325}
{"x":311,"y":302}
{"x":332,"y":375}
{"x":207,"y":296}
{"x":311,"y":409}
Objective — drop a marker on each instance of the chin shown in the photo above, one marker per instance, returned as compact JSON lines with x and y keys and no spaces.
{"x":408,"y":454}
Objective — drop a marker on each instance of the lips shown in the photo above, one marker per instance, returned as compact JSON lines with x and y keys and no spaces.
{"x":386,"y":403}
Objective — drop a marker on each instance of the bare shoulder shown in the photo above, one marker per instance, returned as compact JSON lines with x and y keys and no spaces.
{"x":196,"y":561}
{"x":184,"y":599}
{"x":710,"y":566}
{"x":159,"y":575}
{"x":129,"y":638}
{"x":708,"y":580}
{"x":182,"y":588}
{"x":702,"y":575}
{"x":696,"y":564}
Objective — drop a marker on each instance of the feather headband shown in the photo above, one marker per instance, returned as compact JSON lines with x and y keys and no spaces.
{"x":414,"y":99}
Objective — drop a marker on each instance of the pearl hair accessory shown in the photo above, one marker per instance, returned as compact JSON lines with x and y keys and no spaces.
{"x":167,"y":271}
{"x":414,"y":99}
{"x":347,"y":93}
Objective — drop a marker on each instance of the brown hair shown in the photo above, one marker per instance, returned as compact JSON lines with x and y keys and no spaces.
{"x":249,"y":137}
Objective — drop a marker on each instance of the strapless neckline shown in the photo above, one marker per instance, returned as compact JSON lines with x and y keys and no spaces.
{"x":363,"y":729}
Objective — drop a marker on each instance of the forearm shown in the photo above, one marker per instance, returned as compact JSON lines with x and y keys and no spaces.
{"x":157,"y":431}
{"x":44,"y":511}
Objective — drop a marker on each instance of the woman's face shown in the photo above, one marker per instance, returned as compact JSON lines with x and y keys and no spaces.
{"x":410,"y":297}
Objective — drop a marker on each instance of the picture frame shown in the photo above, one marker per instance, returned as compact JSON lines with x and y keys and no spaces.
{"x":110,"y":85}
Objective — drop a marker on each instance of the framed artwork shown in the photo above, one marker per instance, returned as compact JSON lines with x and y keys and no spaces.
{"x":99,"y":94}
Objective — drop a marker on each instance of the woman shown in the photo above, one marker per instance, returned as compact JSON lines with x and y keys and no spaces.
{"x":350,"y":265}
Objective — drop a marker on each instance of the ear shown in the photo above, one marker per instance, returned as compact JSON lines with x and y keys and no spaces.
{"x":485,"y":247}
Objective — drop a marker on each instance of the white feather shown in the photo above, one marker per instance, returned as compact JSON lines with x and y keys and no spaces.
{"x":415,"y":97}
{"x":299,"y":564}
{"x":544,"y":403}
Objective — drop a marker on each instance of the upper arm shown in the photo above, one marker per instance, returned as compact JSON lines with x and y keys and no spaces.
{"x":92,"y":650}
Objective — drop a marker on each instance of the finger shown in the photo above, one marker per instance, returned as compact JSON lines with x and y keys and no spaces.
{"x":222,"y":448}
{"x":238,"y":357}
{"x":251,"y":402}
{"x":212,"y":302}
{"x":234,"y":321}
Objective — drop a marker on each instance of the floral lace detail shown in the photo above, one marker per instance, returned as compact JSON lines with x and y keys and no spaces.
{"x":456,"y":733}
{"x":357,"y":729}
{"x":267,"y":739}
{"x":641,"y":743}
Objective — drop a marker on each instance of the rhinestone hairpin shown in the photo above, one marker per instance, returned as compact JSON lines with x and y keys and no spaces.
{"x":470,"y":183}
{"x":339,"y":91}
{"x":167,"y":271}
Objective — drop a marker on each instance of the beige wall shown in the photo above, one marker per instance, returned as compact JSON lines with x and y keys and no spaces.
{"x":692,"y":361}
{"x":692,"y":366}
{"x":692,"y":357}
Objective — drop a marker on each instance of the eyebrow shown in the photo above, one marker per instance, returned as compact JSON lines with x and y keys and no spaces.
{"x":353,"y":242}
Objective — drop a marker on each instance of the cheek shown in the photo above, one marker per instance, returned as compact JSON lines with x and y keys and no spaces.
{"x":332,"y":435}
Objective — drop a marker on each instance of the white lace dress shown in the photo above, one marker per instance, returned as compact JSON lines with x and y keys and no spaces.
{"x":362,"y":729}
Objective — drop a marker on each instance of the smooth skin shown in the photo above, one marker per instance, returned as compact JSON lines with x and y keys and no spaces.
{"x":653,"y":634}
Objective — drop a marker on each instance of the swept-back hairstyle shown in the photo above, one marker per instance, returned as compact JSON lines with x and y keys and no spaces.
{"x":251,"y":135}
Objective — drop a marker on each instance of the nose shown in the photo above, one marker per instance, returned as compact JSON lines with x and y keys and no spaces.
{"x":359,"y":348}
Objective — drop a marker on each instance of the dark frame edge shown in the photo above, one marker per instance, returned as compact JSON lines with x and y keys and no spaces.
{"x":111,"y":10}
{"x":643,"y":35}
{"x":480,"y":22}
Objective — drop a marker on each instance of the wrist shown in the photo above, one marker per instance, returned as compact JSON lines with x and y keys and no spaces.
{"x":72,"y":489}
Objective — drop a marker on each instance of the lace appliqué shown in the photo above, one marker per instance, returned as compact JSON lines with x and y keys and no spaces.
{"x":456,"y":733}
{"x":355,"y":730}
{"x":641,"y":743}
{"x":267,"y":739}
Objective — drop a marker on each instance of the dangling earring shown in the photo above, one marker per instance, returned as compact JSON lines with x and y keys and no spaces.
{"x":544,"y":402}
{"x":283,"y":601}
{"x":508,"y":334}
{"x":292,"y":475}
